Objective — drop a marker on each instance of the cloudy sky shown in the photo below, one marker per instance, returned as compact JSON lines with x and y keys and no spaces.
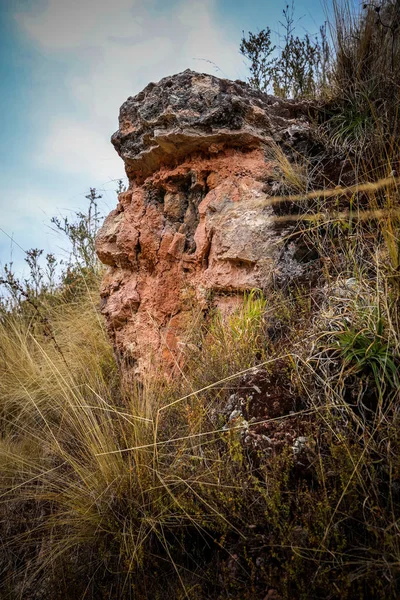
{"x":66,"y":66}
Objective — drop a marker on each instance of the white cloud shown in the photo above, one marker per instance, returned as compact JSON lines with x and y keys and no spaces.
{"x":27,"y":223}
{"x":66,"y":25}
{"x":75,"y":147}
{"x":117,"y":48}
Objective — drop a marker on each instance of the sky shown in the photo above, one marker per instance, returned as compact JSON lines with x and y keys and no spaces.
{"x":66,"y":66}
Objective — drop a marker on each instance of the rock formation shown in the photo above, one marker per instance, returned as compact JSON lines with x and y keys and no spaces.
{"x":187,"y":233}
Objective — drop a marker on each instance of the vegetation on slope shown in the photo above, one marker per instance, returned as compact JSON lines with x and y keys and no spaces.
{"x":195,"y":487}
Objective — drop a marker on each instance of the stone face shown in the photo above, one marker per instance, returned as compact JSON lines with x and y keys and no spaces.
{"x":187,"y":234}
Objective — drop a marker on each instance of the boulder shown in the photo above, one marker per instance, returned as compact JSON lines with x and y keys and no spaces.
{"x":194,"y":229}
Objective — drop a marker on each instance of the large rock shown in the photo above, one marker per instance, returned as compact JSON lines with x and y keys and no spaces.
{"x":188,"y":232}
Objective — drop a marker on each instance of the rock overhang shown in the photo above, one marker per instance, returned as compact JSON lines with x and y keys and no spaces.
{"x":197,"y":113}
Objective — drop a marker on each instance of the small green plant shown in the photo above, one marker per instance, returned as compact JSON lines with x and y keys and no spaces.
{"x":349,"y":128}
{"x":81,"y":232}
{"x":368,"y":352}
{"x":299,"y":68}
{"x":258,"y":49}
{"x":45,"y":282}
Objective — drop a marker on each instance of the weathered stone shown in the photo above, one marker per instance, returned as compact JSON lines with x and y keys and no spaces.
{"x":174,"y":206}
{"x":192,"y":112}
{"x":188,"y":233}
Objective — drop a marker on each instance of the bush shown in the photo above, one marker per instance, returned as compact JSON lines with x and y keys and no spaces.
{"x":299,"y":68}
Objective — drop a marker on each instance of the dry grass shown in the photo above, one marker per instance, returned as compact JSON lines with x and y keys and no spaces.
{"x":105,"y":470}
{"x":120,"y":485}
{"x":362,"y":116}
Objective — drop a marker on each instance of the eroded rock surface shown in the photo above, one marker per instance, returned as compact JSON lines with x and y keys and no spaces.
{"x":187,"y":233}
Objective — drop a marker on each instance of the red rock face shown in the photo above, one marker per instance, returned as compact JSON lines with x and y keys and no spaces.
{"x":187,"y":234}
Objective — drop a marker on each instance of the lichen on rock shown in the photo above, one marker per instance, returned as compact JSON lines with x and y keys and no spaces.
{"x":187,"y":232}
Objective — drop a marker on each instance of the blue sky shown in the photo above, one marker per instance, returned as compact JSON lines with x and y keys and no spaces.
{"x":66,"y":66}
